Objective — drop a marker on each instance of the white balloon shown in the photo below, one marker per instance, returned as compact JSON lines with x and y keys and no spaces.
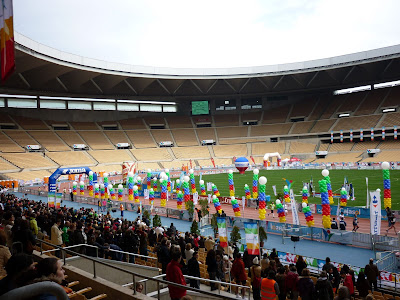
{"x":214,"y":196}
{"x":155,"y":179}
{"x":109,"y":186}
{"x":230,"y":171}
{"x":166,"y":170}
{"x":256,"y":171}
{"x":161,"y":179}
{"x":278,"y":201}
{"x":162,"y":174}
{"x":325,"y":173}
{"x":304,"y":204}
{"x":135,"y":188}
{"x":201,"y":182}
{"x":96,"y":186}
{"x":130,"y":174}
{"x":191,"y":171}
{"x":102,"y":186}
{"x":286,"y":211}
{"x":262,"y":180}
{"x":343,"y":189}
{"x":385,"y":165}
{"x":90,"y":173}
{"x":81,"y":183}
{"x":378,"y":190}
{"x":74,"y":183}
{"x":178,"y":181}
{"x":285,"y":187}
{"x":151,"y":190}
{"x":139,"y":178}
{"x":233,"y":198}
{"x":246,"y":185}
{"x":180,"y":192}
{"x":120,"y":186}
{"x":105,"y":175}
{"x":148,"y":170}
{"x":186,"y":178}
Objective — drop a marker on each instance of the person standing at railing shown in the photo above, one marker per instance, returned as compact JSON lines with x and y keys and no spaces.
{"x":269,"y":287}
{"x":372,"y":273}
{"x":56,"y":235}
{"x":194,"y":270}
{"x":174,"y":274}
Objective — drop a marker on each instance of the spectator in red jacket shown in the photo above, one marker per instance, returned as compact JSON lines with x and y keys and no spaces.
{"x":291,"y":283}
{"x":238,"y":272}
{"x":174,"y":274}
{"x":347,"y":281}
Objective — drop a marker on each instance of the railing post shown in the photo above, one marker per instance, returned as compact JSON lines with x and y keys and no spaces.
{"x":41,"y":248}
{"x":158,"y":290}
{"x":97,"y":252}
{"x":134,"y":285}
{"x":94,"y":269}
{"x":64,"y":256}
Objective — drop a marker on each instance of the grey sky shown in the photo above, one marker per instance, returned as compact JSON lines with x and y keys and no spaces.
{"x":209,"y":33}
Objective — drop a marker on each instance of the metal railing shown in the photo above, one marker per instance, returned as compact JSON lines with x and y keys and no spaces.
{"x":133,"y":274}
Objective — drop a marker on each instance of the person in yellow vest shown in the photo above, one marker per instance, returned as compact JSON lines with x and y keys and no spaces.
{"x":121,"y":207}
{"x":269,"y":287}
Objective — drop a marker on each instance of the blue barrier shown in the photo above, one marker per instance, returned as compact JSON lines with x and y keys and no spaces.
{"x":350,"y":211}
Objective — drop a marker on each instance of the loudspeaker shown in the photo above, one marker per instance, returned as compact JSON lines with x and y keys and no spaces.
{"x":295,"y":238}
{"x":114,"y":210}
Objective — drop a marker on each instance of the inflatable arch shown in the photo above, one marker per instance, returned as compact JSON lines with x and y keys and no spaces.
{"x":274,"y":154}
{"x":67,"y":171}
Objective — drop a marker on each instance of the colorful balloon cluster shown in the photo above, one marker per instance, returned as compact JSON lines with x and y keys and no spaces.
{"x":387,"y":194}
{"x":154,"y":184}
{"x":151,"y":195}
{"x":217,"y":205}
{"x":179,"y":200}
{"x":186,"y":192}
{"x":231,"y":184}
{"x":286,"y":196}
{"x":105,"y":181}
{"x":202,"y":188}
{"x":136,"y":193}
{"x":326,"y":208}
{"x":308,"y":214}
{"x":325,"y":173}
{"x":192,"y":182}
{"x":178,"y":185}
{"x":281,"y":211}
{"x":164,"y":190}
{"x":247,"y":191}
{"x":168,"y":180}
{"x":215,"y":190}
{"x":235,"y":206}
{"x":138,"y":182}
{"x":343,"y":197}
{"x":305,"y":194}
{"x":111,"y":191}
{"x":102,"y":191}
{"x":82,"y":188}
{"x":90,"y":186}
{"x":130,"y":186}
{"x":120,"y":192}
{"x":148,"y":179}
{"x":261,"y":198}
{"x":96,"y":190}
{"x":74,"y":187}
{"x":255,"y":183}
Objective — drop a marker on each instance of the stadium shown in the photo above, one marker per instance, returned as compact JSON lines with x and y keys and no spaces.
{"x":61,"y":111}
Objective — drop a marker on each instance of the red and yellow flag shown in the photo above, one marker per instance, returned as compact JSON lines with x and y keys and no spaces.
{"x":7,"y":39}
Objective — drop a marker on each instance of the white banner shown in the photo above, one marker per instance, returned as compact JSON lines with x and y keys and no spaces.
{"x":146,"y":194}
{"x":295,"y":215}
{"x":195,"y":198}
{"x":274,"y":189}
{"x":375,"y":212}
{"x":243,"y":202}
{"x":209,"y":198}
{"x":209,"y":186}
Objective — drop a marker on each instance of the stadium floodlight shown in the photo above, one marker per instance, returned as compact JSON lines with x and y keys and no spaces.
{"x":76,"y":99}
{"x":352,"y":90}
{"x":388,"y":110}
{"x":18,"y":96}
{"x":145,"y":102}
{"x":344,"y":115}
{"x":386,"y":84}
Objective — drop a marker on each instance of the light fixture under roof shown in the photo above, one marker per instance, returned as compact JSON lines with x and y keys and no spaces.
{"x":386,"y":84}
{"x":344,"y":115}
{"x":352,"y":90}
{"x":388,"y":110}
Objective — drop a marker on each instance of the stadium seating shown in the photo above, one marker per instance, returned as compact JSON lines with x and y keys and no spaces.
{"x":179,"y":122}
{"x":49,"y":140}
{"x":21,"y":137}
{"x":388,"y":145}
{"x":141,"y":138}
{"x":29,"y":160}
{"x":230,"y":151}
{"x":273,"y":129}
{"x":117,"y":136}
{"x":372,"y":102}
{"x":29,"y":175}
{"x":111,"y":156}
{"x":251,"y":116}
{"x":29,"y":123}
{"x":223,"y":161}
{"x":323,"y":147}
{"x":206,"y":133}
{"x":155,"y":154}
{"x":161,"y":135}
{"x":341,"y":147}
{"x":226,"y":120}
{"x":303,"y":108}
{"x":6,"y":166}
{"x":154,"y":121}
{"x":339,"y":158}
{"x":276,"y":114}
{"x":84,"y":125}
{"x":144,"y":166}
{"x":363,"y":146}
{"x":322,"y":126}
{"x":129,"y":124}
{"x":393,"y":98}
{"x":390,"y":120}
{"x":319,"y":108}
{"x":96,"y":140}
{"x":357,"y":122}
{"x":350,"y":102}
{"x":8,"y":145}
{"x":191,"y":152}
{"x":71,"y":158}
{"x":107,"y":168}
{"x":176,"y":164}
{"x":299,"y":147}
{"x":301,"y":127}
{"x":240,"y":141}
{"x":262,"y":148}
{"x":185,"y":137}
{"x":232,"y":132}
{"x":331,"y":105}
{"x":5,"y":119}
{"x":70,"y":137}
{"x":384,"y":156}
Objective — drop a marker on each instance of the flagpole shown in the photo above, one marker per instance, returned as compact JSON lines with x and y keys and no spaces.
{"x":366,"y":181}
{"x":227,"y":250}
{"x":259,"y":244}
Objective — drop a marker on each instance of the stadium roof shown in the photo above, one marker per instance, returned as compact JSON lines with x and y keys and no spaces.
{"x":47,"y":71}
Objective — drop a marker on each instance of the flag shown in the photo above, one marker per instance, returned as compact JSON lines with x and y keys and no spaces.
{"x":274,"y":189}
{"x":223,"y":237}
{"x":295,"y":215}
{"x":7,"y":39}
{"x":251,"y":231}
{"x":252,"y":159}
{"x":213,"y":162}
{"x":375,"y":212}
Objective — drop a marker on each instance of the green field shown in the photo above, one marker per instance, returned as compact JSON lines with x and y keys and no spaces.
{"x":357,"y":177}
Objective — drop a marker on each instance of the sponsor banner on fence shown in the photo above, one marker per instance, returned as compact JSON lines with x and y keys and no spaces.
{"x":350,"y":211}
